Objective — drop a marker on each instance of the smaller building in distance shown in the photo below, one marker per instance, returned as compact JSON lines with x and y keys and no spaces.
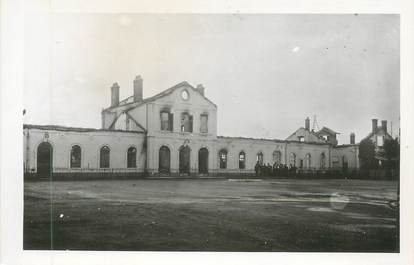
{"x":378,"y":136}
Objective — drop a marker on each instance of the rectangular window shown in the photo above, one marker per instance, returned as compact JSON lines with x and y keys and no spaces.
{"x":301,"y":138}
{"x":170,"y":122}
{"x":166,"y":121}
{"x":380,"y":141}
{"x":204,"y":123}
{"x":186,"y":123}
{"x":190,"y":125}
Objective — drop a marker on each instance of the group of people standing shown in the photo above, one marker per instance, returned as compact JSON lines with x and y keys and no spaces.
{"x":277,"y":169}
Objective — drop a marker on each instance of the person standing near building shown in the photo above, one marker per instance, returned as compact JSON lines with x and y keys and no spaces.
{"x":257,"y":168}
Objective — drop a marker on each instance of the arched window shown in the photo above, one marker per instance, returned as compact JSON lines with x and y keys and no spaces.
{"x":104,"y":155}
{"x":186,"y":122}
{"x":308,"y":161}
{"x":277,"y":157}
{"x":75,"y":156}
{"x":292,"y":159}
{"x":223,"y":158}
{"x":259,"y":158}
{"x":242,"y":160}
{"x":132,"y":157}
{"x":323,"y":160}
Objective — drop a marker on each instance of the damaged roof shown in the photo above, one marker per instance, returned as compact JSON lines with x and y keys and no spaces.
{"x":250,"y":138}
{"x":71,"y":129}
{"x":166,"y":92}
{"x":330,"y":131}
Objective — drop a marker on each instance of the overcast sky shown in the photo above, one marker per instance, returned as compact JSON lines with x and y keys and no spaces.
{"x":266,"y":73}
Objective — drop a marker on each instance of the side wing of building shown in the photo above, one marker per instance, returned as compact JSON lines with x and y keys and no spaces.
{"x":77,"y":152}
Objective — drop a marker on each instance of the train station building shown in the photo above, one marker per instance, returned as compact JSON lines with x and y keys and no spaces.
{"x":173,"y":133}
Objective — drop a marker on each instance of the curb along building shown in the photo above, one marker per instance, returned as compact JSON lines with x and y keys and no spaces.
{"x":172,"y":133}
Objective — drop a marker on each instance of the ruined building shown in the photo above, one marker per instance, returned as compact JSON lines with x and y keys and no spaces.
{"x":171,"y":133}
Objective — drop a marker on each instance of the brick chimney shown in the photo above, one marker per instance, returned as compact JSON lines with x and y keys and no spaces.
{"x":200,"y":88}
{"x":115,"y":95}
{"x":384,"y":125}
{"x":374,"y":125}
{"x":307,"y":123}
{"x":352,"y":138}
{"x":138,"y":88}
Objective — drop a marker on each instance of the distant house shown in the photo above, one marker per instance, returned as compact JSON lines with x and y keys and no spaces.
{"x":378,"y":136}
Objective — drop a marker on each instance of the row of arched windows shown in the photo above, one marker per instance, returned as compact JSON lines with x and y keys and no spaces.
{"x":104,"y":157}
{"x":307,"y":162}
{"x":105,"y":153}
{"x":277,"y":156}
{"x":203,"y":153}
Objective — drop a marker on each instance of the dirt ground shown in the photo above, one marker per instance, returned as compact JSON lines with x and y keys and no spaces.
{"x":212,"y":215}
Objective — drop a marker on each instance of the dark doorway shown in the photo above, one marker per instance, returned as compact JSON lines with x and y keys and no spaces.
{"x":203,"y":161}
{"x":184,"y":160}
{"x":44,"y":159}
{"x":164,"y":160}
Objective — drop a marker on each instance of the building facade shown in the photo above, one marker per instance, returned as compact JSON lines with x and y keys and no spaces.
{"x":172,"y":133}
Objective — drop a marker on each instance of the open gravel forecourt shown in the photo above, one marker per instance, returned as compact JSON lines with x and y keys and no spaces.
{"x":212,"y":215}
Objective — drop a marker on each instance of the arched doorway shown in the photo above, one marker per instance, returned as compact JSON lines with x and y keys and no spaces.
{"x":44,"y":159}
{"x":203,"y":161}
{"x":184,"y":158}
{"x":164,"y":160}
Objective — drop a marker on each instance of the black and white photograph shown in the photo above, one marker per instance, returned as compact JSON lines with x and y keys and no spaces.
{"x":214,"y":133}
{"x":210,"y":132}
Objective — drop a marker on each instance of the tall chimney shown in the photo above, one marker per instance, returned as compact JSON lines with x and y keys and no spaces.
{"x":352,"y":138}
{"x":138,"y":88}
{"x":307,"y":123}
{"x":200,"y":88}
{"x":115,"y":95}
{"x":374,"y":125}
{"x":384,"y":125}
